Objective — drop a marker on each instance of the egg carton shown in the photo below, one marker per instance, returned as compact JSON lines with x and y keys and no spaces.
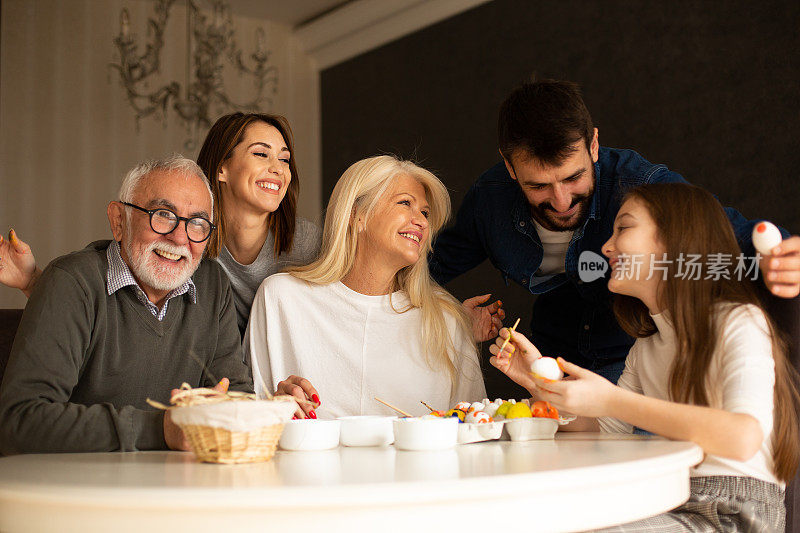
{"x":534,"y":428}
{"x":469,"y":433}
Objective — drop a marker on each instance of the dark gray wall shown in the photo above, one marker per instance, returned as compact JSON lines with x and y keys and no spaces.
{"x":708,"y":88}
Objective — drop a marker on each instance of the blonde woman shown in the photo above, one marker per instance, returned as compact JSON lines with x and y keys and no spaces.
{"x":366,"y":319}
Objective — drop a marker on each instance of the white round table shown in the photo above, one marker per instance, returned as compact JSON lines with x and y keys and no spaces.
{"x":575,"y":482}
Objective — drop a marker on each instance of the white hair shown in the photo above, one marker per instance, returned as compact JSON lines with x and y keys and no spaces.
{"x":174,"y":163}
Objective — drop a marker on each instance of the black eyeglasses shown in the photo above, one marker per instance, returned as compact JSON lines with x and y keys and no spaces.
{"x":164,"y":221}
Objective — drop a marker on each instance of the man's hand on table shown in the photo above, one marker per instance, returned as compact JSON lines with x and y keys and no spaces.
{"x":173,"y":435}
{"x":781,"y":269}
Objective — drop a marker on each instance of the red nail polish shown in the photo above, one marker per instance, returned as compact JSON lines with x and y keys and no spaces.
{"x":312,"y":414}
{"x":315,"y":399}
{"x":294,"y":417}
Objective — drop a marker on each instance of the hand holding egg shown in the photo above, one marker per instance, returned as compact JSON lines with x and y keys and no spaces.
{"x":766,"y":236}
{"x":584,"y":393}
{"x":546,"y":368}
{"x":780,"y":261}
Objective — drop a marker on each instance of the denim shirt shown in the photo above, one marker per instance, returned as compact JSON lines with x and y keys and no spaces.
{"x":571,"y":319}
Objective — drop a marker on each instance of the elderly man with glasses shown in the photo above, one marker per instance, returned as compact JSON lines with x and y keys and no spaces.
{"x":125,"y":320}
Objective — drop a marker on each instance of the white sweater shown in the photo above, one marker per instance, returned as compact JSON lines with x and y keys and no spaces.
{"x":352,"y":348}
{"x":741,"y":379}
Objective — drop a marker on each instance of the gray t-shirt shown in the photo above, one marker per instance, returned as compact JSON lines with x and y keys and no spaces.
{"x":245,"y":279}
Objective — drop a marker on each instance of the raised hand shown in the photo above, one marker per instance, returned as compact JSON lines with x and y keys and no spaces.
{"x":516,"y":358}
{"x":17,"y":264}
{"x":486,"y":320}
{"x":781,"y":269}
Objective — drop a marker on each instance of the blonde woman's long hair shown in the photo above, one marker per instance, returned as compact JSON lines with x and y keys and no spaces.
{"x":356,"y":195}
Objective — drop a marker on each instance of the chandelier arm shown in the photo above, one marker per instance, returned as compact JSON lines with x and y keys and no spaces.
{"x":215,"y":43}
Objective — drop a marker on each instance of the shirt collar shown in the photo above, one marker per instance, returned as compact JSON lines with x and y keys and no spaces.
{"x":593,"y":210}
{"x":119,"y":275}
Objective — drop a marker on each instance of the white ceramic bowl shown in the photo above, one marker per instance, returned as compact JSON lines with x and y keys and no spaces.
{"x":425,"y":433}
{"x":531,"y":428}
{"x":366,"y":430}
{"x":309,"y":434}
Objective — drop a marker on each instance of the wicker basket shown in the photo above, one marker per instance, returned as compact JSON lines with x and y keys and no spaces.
{"x":219,"y":445}
{"x":229,"y":427}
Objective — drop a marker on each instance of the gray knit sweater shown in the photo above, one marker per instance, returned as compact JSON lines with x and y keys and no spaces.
{"x":83,"y":362}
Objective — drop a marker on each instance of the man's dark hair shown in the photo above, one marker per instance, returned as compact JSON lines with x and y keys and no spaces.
{"x":542,"y":120}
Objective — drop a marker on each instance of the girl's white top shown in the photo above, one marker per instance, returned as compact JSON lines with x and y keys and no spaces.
{"x":741,"y":379}
{"x":352,"y":348}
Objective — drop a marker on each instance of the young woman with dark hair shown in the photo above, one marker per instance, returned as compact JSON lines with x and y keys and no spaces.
{"x":249,"y":160}
{"x":250,"y":164}
{"x":707,"y":366}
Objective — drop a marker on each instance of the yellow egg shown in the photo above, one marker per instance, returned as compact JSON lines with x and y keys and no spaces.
{"x":503,"y":409}
{"x":519,"y":410}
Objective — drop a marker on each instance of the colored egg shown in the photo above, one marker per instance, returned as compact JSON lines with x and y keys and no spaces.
{"x":546,"y":368}
{"x":478,"y":417}
{"x":462,"y":406}
{"x":457,"y":413}
{"x":766,"y":236}
{"x":477,"y":406}
{"x":519,"y":410}
{"x":503,"y":409}
{"x":544,"y":410}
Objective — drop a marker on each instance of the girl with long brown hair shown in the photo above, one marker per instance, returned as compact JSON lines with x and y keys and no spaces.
{"x":708,"y":365}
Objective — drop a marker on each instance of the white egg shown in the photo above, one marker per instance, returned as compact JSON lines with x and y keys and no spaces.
{"x":547,"y":368}
{"x":477,"y":406}
{"x":766,"y":236}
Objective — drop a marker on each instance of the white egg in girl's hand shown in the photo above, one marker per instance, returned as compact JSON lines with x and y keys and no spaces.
{"x":766,"y":236}
{"x":546,"y":368}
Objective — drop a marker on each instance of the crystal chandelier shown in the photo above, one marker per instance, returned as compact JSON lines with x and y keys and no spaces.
{"x":203,"y":96}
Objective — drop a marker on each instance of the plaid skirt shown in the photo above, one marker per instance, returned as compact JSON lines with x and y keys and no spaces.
{"x":721,"y":503}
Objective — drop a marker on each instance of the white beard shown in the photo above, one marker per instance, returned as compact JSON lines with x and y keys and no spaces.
{"x":160,"y":277}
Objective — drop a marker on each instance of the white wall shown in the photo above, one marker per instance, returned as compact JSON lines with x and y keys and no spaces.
{"x":68,"y":135}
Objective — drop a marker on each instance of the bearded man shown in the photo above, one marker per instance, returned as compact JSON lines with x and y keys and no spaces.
{"x":108,"y":326}
{"x":544,"y":212}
